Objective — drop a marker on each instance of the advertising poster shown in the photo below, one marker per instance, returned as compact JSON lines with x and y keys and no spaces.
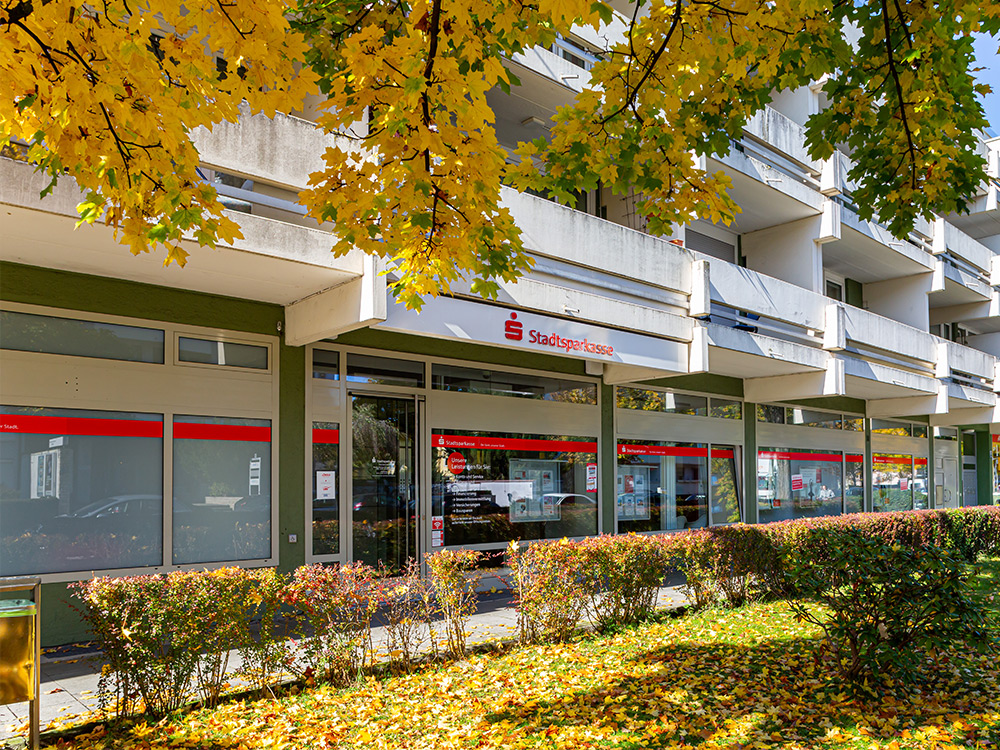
{"x":326,"y":485}
{"x":796,"y":482}
{"x":591,"y":477}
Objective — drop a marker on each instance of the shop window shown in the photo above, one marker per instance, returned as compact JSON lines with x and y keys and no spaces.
{"x":854,"y":483}
{"x":724,"y":486}
{"x":661,"y":486}
{"x":79,"y":490}
{"x":942,"y":433}
{"x":723,"y":408}
{"x":325,"y":505}
{"x":892,"y":479}
{"x":222,"y":489}
{"x":798,"y":484}
{"x":918,"y":430}
{"x":888,"y":427}
{"x":497,"y":487}
{"x":770,"y":413}
{"x":665,"y":401}
{"x":326,"y":364}
{"x":812,"y":418}
{"x":920,"y":487}
{"x":995,"y":461}
{"x":224,"y":353}
{"x":854,"y":424}
{"x":500,"y":383}
{"x":27,"y":332}
{"x":362,"y":368}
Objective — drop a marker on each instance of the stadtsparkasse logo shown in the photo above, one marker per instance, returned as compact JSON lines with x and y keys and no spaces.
{"x":513,"y":329}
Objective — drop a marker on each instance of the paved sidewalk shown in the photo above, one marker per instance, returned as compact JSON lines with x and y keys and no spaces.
{"x":69,"y":682}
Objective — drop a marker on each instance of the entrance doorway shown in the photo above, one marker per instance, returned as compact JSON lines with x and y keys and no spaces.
{"x":383,"y":493}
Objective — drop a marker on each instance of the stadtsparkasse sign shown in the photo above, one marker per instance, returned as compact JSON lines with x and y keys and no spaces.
{"x":477,"y":322}
{"x":514,"y":330}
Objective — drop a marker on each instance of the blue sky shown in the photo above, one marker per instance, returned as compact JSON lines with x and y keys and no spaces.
{"x":987,"y":58}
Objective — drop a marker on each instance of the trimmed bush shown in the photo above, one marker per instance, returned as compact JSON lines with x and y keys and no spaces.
{"x":623,"y":574}
{"x":336,"y":605}
{"x":551,"y":585}
{"x":455,"y":578}
{"x":887,"y":604}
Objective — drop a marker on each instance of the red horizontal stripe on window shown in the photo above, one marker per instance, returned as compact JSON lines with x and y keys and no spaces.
{"x":884,"y":459}
{"x":31,"y":424}
{"x":243,"y":432}
{"x":628,"y":449}
{"x":853,"y":458}
{"x":723,"y":453}
{"x":512,"y":444}
{"x":326,"y":436}
{"x":793,"y":456}
{"x":920,"y":461}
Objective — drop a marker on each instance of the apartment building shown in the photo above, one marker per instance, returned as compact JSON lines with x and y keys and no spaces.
{"x":269,"y":404}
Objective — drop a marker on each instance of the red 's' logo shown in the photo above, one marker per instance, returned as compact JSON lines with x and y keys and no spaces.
{"x":513,"y":328}
{"x":456,"y":463}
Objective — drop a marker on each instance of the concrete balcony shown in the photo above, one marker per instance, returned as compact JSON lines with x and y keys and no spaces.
{"x":951,"y":240}
{"x":275,"y":261}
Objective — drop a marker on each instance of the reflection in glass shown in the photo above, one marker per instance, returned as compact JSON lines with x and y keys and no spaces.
{"x":498,"y":487}
{"x":661,"y":486}
{"x":770,"y":413}
{"x":79,"y":490}
{"x":812,"y":418}
{"x":326,"y":364}
{"x":222,"y":489}
{"x":363,"y":368}
{"x":81,"y":338}
{"x":725,"y":488}
{"x":888,"y":427}
{"x":225,"y":353}
{"x":798,"y":484}
{"x":854,"y":483}
{"x":673,"y":403}
{"x":326,"y":494}
{"x":517,"y":385}
{"x":920,"y":483}
{"x":384,"y":496}
{"x":892,"y":477}
{"x":726,"y":409}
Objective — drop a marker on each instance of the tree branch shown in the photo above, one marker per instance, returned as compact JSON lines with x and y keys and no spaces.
{"x":899,"y":94}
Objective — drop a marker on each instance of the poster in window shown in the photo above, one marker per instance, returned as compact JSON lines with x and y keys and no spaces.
{"x":326,"y":485}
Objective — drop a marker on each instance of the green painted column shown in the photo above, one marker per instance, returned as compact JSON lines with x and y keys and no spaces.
{"x":867,"y":505}
{"x":931,"y":493}
{"x":609,"y":459}
{"x":984,"y":465}
{"x":291,"y":472}
{"x":749,"y":462}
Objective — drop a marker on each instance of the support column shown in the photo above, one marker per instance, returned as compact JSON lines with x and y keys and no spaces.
{"x":984,"y":465}
{"x":749,"y":462}
{"x":609,"y":460}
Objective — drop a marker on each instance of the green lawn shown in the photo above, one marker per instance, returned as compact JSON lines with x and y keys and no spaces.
{"x":736,"y":678}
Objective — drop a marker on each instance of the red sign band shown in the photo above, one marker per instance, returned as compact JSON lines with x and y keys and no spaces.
{"x":83,"y":426}
{"x":512,"y":444}
{"x":326,"y":436}
{"x":795,"y":456}
{"x":240,"y":432}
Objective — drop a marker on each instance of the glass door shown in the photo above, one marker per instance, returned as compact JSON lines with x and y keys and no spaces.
{"x":383,"y":494}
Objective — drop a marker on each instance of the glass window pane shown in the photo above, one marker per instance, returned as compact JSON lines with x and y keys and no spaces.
{"x":724,"y":487}
{"x":227,"y":353}
{"x":726,"y":409}
{"x":517,"y":385}
{"x":495,"y":487}
{"x":920,"y":483}
{"x":362,"y":368}
{"x":854,"y":483}
{"x":326,"y":494}
{"x":941,"y":433}
{"x":919,"y":430}
{"x":798,"y":484}
{"x":80,"y":338}
{"x":79,"y":490}
{"x":326,"y":364}
{"x":892,"y":477}
{"x":640,"y":399}
{"x":222,"y":489}
{"x":684,"y":403}
{"x":661,"y":486}
{"x":854,"y":424}
{"x":770,"y":413}
{"x":812,"y":418}
{"x":888,"y":427}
